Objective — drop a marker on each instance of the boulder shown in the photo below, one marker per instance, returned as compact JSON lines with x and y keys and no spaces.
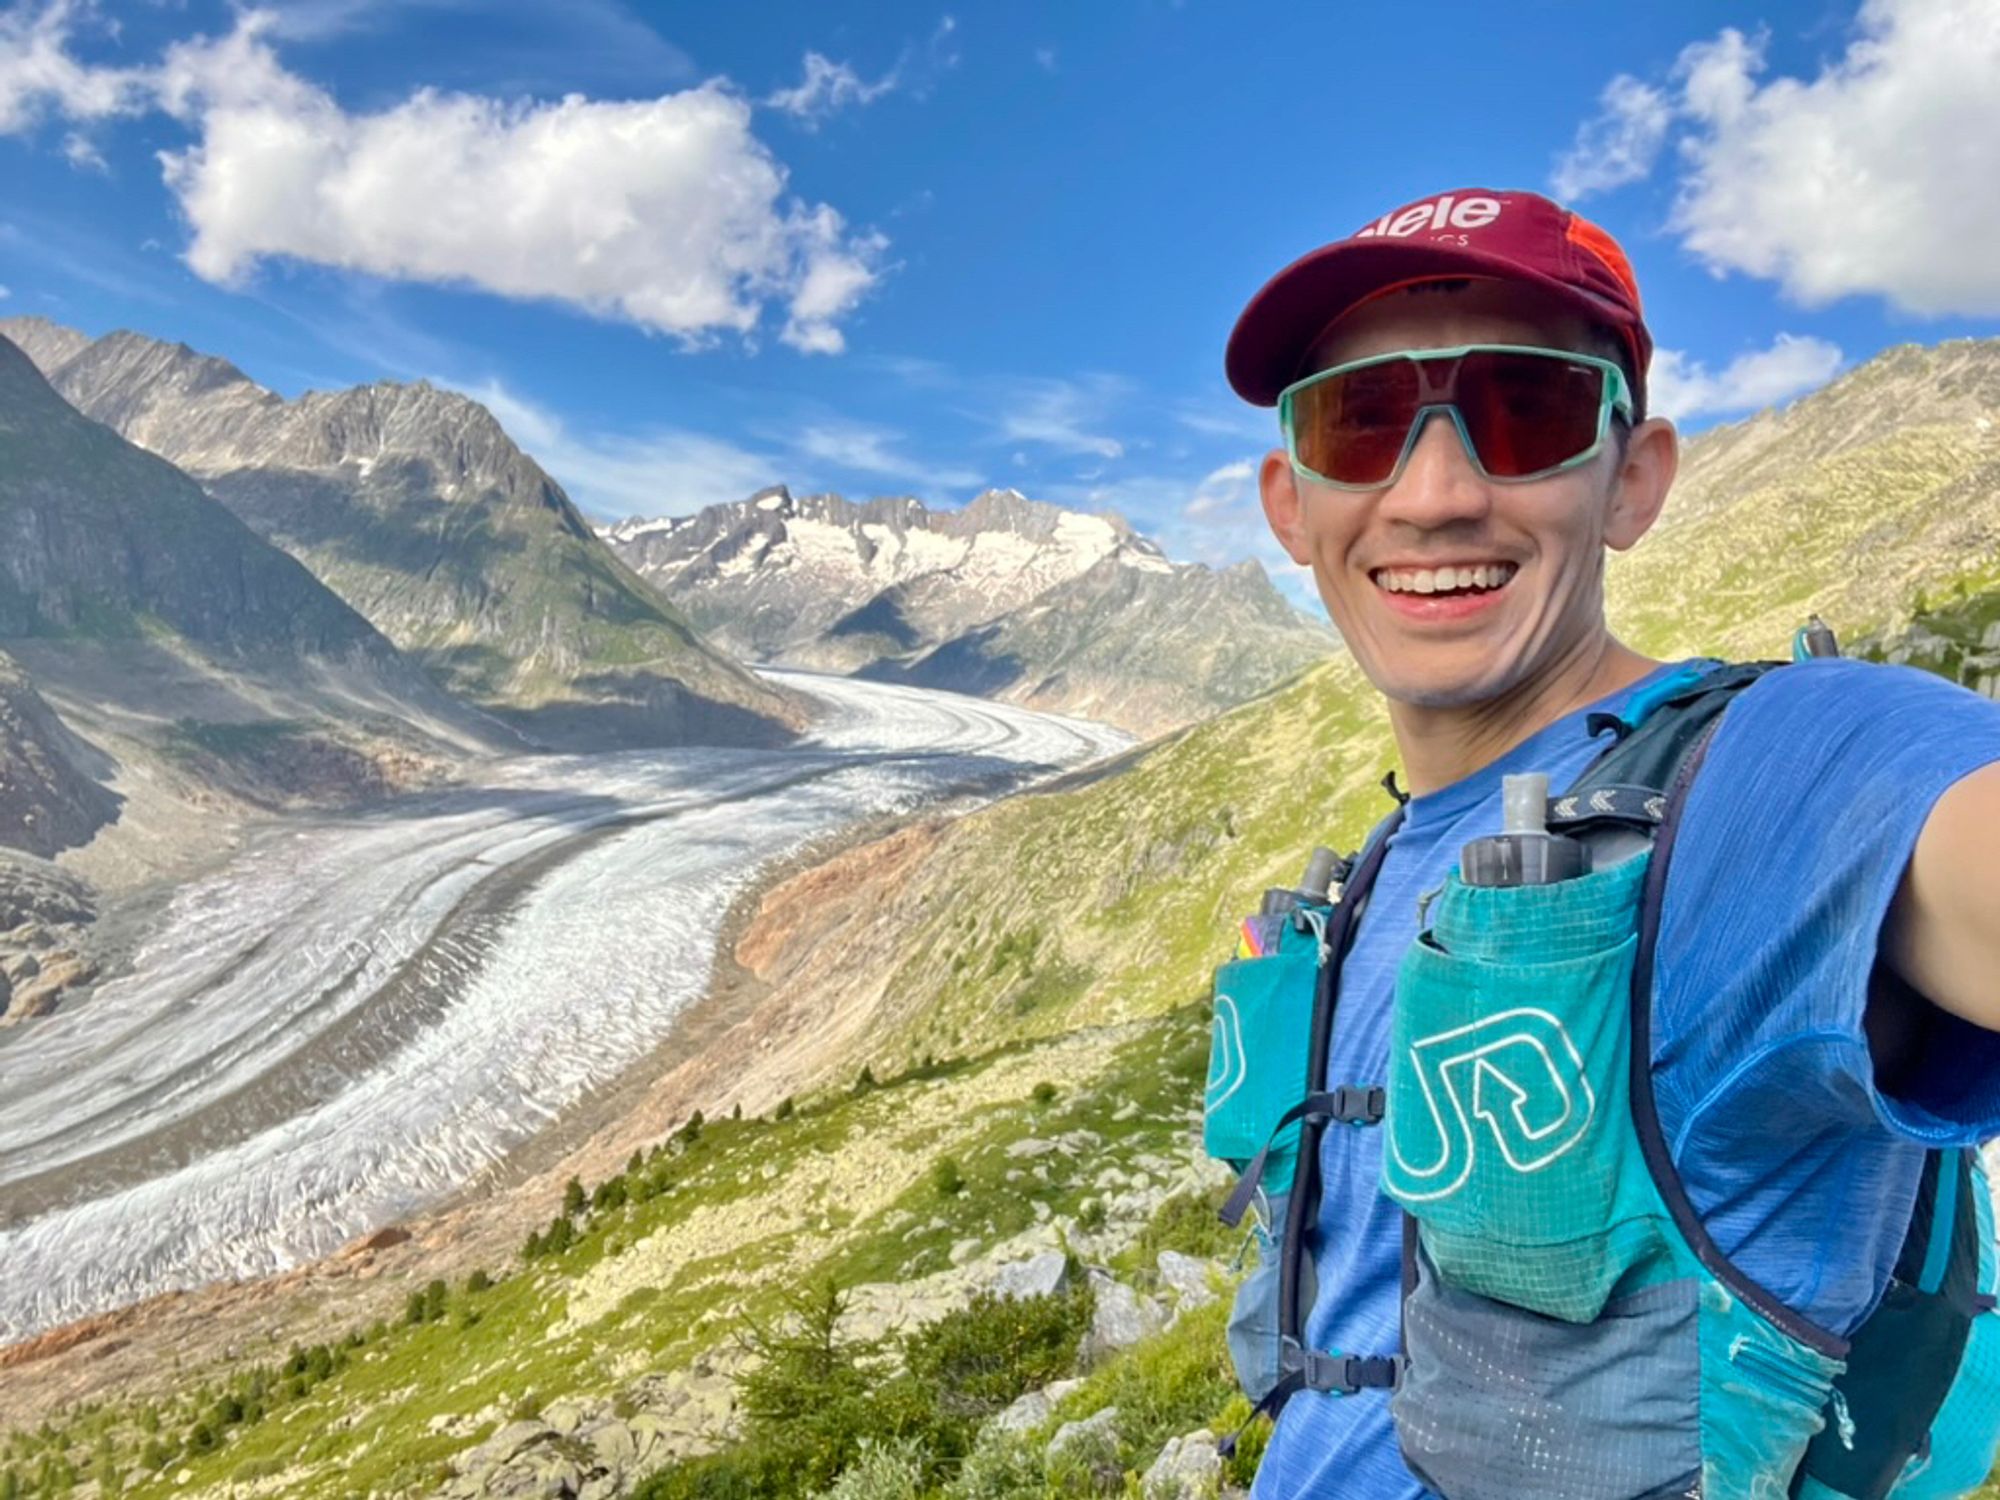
{"x":1034,"y":1408}
{"x":1092,"y":1440}
{"x":1187,"y":1276}
{"x":1029,"y":1146}
{"x":1120,"y":1318}
{"x":1188,"y":1468}
{"x":1037,"y":1276}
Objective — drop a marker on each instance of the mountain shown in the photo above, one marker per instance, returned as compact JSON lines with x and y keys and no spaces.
{"x":1865,"y":501}
{"x":413,"y":505}
{"x":1007,"y":597}
{"x":162,"y":666}
{"x":1025,"y":987}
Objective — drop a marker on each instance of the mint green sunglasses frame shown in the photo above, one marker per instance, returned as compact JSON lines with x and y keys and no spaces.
{"x":1616,"y":397}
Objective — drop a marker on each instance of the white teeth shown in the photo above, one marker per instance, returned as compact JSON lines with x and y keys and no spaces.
{"x":1438,"y":580}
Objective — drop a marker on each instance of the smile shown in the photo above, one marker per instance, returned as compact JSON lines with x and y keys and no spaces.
{"x":1462,"y":578}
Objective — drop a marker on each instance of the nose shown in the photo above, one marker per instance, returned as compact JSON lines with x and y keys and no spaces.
{"x":1438,"y":485}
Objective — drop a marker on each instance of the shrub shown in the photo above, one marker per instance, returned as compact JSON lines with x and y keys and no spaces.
{"x":527,"y":1408}
{"x":1007,"y":1466}
{"x":434,"y":1300}
{"x":415,"y":1310}
{"x":691,"y":1132}
{"x":1091,"y":1216}
{"x":784,"y":1109}
{"x":635,"y":1161}
{"x":573,"y":1198}
{"x":478,"y":1282}
{"x":865,"y":1081}
{"x":1044,"y":1092}
{"x":980,"y":1359}
{"x":946,"y":1177}
{"x":892,"y":1470}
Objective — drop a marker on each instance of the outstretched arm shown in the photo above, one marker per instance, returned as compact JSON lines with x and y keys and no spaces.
{"x":1942,"y":932}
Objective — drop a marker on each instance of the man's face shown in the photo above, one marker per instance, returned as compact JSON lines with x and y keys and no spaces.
{"x":1547,"y":536}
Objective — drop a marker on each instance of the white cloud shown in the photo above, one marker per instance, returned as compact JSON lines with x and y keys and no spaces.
{"x":669,"y":471}
{"x":1873,"y":178}
{"x":665,"y":212}
{"x":1680,"y":387}
{"x":1045,"y":59}
{"x":1876,"y":177}
{"x":38,"y":77}
{"x":827,"y":87}
{"x":872,"y":450}
{"x":1222,"y":489}
{"x":81,"y":152}
{"x":1060,"y":414}
{"x":1620,"y":145}
{"x":5,"y":293}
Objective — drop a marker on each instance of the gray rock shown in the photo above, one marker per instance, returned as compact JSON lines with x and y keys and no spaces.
{"x":1037,"y":1276}
{"x":1029,"y":1146}
{"x":1188,"y":1468}
{"x":1187,"y":1276}
{"x":615,"y":1445}
{"x":1091,"y":1440}
{"x":1121,"y":1318}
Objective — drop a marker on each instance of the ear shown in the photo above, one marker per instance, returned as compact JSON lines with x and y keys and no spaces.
{"x":1639,"y":491}
{"x":1278,"y":487}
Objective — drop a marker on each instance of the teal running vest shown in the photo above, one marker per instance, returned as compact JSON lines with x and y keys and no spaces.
{"x":1570,"y":1331}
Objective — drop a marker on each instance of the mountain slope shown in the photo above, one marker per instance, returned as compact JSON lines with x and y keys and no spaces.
{"x":1008,"y":597}
{"x":1049,"y":954}
{"x":161,"y":630}
{"x":413,"y":505}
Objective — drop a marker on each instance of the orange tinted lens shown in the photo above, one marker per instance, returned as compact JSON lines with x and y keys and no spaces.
{"x":1527,"y":413}
{"x":1350,"y":428}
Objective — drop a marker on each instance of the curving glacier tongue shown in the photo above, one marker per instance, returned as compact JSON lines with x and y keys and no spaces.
{"x":357,"y":1016}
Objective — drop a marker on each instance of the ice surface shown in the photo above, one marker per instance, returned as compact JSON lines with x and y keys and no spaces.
{"x":359,"y":1014}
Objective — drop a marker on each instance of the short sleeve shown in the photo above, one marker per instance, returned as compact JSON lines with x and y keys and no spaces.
{"x":1793,"y":842}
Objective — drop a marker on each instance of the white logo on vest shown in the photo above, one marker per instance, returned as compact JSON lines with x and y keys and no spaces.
{"x":1227,"y":1064}
{"x":1519,"y":1072}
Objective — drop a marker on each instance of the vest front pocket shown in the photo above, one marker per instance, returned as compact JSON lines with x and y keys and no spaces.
{"x":1508,"y":1097}
{"x":1499,"y":1403}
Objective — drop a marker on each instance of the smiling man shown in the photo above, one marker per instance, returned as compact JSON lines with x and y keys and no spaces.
{"x":1620,"y":1280}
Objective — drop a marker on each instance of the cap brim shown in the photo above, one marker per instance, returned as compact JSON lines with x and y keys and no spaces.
{"x":1269,"y":345}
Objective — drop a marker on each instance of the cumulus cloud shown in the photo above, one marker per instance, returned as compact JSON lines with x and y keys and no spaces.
{"x":1681,"y":387}
{"x":1876,"y":177}
{"x":827,"y":88}
{"x":665,"y":212}
{"x":1620,"y":145}
{"x":1871,"y":178}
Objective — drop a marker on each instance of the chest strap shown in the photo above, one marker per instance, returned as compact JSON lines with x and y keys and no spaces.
{"x":1350,"y":1104}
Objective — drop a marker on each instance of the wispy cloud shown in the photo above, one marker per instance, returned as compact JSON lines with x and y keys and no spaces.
{"x":1620,"y":145}
{"x":1066,"y":415}
{"x":827,"y":88}
{"x":862,"y":449}
{"x":1681,"y":387}
{"x":666,"y":471}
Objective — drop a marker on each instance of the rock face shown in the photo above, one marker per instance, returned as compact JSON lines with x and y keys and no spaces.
{"x":48,"y":801}
{"x":412,"y":504}
{"x":45,"y":915}
{"x":1006,"y":597}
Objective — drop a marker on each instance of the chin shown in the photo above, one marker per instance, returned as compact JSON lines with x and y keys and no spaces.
{"x":1439,"y":686}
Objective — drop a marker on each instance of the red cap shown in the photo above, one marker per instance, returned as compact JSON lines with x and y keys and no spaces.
{"x":1470,"y":232}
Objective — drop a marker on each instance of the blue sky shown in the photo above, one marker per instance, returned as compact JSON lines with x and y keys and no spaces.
{"x":686,"y":251}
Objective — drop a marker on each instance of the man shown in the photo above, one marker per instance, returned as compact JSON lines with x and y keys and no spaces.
{"x":1827,"y":988}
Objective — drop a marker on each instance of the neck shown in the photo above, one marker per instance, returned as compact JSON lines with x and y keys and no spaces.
{"x":1446,"y":744}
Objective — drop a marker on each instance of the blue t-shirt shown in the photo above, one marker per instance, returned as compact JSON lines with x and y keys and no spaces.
{"x":1792,"y":843}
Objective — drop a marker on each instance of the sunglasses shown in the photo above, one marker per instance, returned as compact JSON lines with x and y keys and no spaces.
{"x":1522,"y":413}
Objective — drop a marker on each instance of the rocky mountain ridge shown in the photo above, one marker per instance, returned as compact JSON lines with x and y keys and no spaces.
{"x":1062,"y":938}
{"x":412,"y":504}
{"x":1008,"y":597}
